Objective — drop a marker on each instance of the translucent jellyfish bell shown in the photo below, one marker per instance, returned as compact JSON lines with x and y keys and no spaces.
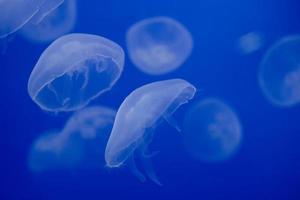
{"x":136,"y":118}
{"x":158,"y":45}
{"x":80,"y":144}
{"x":73,"y":70}
{"x":56,"y":23}
{"x":279,"y":74}
{"x":212,"y":131}
{"x":15,"y":13}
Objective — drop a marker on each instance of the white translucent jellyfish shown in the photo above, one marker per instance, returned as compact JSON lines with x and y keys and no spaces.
{"x":250,"y":42}
{"x":14,"y":14}
{"x":212,"y":131}
{"x":73,"y":70}
{"x":58,"y":22}
{"x":279,"y":73}
{"x":158,"y":45}
{"x":80,"y":145}
{"x":136,"y":119}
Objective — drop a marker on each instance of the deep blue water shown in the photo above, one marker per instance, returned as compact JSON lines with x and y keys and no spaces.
{"x":266,"y":166}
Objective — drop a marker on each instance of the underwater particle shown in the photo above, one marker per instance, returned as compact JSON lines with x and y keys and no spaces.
{"x":55,"y":24}
{"x":212,"y":131}
{"x":15,"y":13}
{"x":73,"y":70}
{"x":80,"y":145}
{"x":279,"y":72}
{"x":158,"y":45}
{"x":250,"y":42}
{"x":139,"y":114}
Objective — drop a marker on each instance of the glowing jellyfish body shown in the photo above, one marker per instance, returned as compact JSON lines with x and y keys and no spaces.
{"x":80,"y":144}
{"x":56,"y":23}
{"x":212,"y":131}
{"x":136,"y":118}
{"x":279,"y":74}
{"x":158,"y":45}
{"x":14,"y":14}
{"x":73,"y":70}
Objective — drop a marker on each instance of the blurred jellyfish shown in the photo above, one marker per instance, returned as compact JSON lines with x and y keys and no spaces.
{"x":73,"y":70}
{"x":80,"y":145}
{"x":279,"y":74}
{"x":136,"y":119}
{"x":158,"y":45}
{"x":212,"y":131}
{"x":250,"y":42}
{"x":14,"y":14}
{"x":56,"y":23}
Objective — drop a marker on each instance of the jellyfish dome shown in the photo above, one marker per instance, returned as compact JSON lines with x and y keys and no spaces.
{"x":212,"y":131}
{"x":80,"y":144}
{"x":73,"y":70}
{"x":279,"y":74}
{"x":158,"y":45}
{"x":56,"y":23}
{"x":137,"y":117}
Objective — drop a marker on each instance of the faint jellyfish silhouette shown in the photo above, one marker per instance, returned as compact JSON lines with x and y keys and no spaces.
{"x":158,"y":45}
{"x":56,"y":23}
{"x":212,"y":131}
{"x":48,"y":153}
{"x":136,"y":119}
{"x":250,"y":42}
{"x":279,"y":73}
{"x":80,"y":145}
{"x":73,"y":70}
{"x":14,"y":14}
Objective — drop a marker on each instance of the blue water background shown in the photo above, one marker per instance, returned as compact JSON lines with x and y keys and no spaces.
{"x":268,"y":162}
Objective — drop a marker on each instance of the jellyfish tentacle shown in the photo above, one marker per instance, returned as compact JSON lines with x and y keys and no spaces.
{"x":134,"y":170}
{"x":148,"y":167}
{"x":172,"y":121}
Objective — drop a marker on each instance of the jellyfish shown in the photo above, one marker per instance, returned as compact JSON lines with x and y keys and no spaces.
{"x":80,"y":145}
{"x":212,"y":131}
{"x":73,"y":70}
{"x":158,"y":45}
{"x":14,"y":14}
{"x":279,"y":72}
{"x":139,"y":114}
{"x":250,"y":42}
{"x":56,"y":23}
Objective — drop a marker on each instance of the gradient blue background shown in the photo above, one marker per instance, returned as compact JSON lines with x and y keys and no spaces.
{"x":267,"y":165}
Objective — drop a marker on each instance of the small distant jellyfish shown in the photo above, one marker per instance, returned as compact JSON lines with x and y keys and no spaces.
{"x":47,"y":153}
{"x":14,"y":14}
{"x":279,"y":73}
{"x":158,"y":45}
{"x":56,"y":23}
{"x":80,"y":145}
{"x":139,"y":114}
{"x":250,"y":42}
{"x":212,"y":131}
{"x":73,"y":70}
